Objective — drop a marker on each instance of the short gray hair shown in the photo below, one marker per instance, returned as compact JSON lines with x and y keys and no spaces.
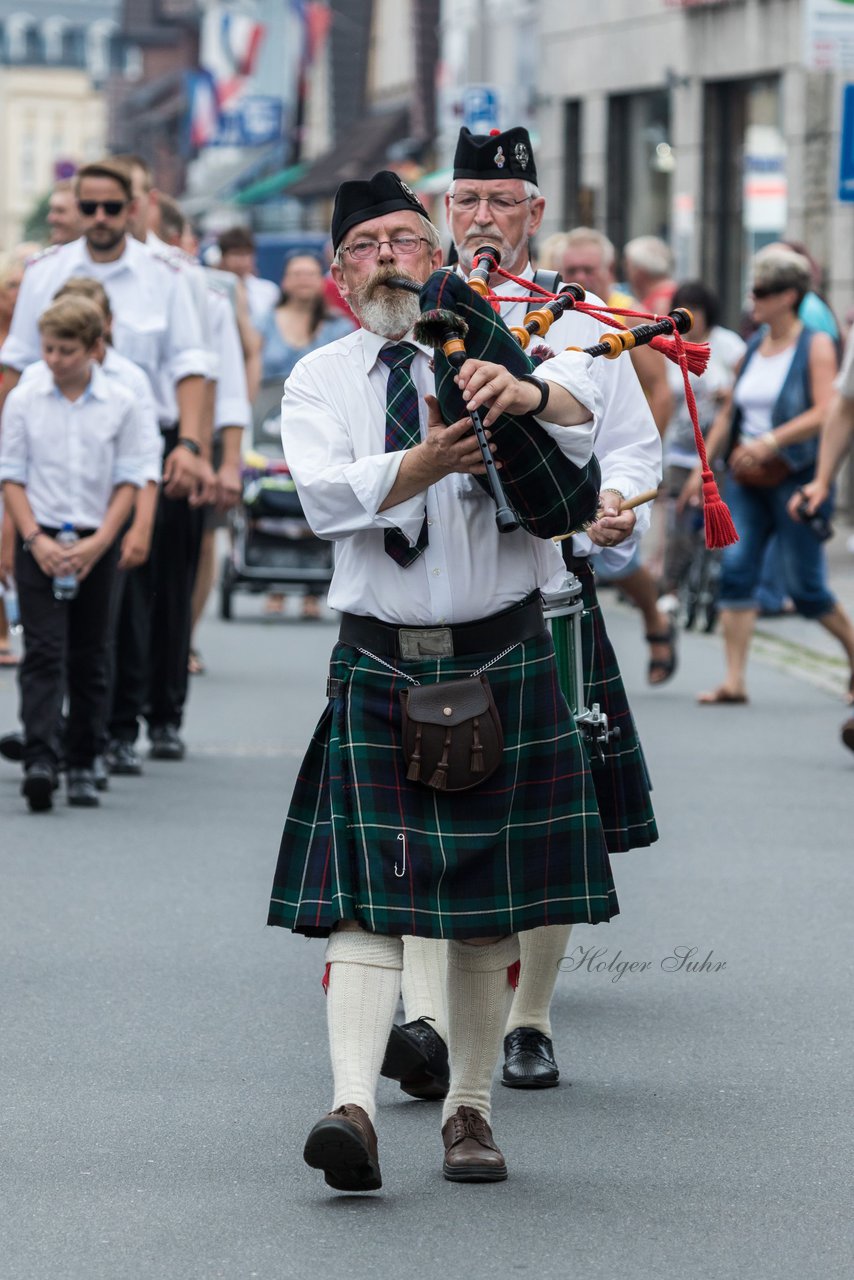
{"x":431,"y":235}
{"x":776,"y":267}
{"x":589,"y":235}
{"x":649,"y":254}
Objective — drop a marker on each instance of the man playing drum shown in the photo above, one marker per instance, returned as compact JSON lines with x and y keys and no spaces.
{"x":440,"y":607}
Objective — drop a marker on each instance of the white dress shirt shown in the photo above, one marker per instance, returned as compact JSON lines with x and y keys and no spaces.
{"x":333,"y":432}
{"x":231,"y":406}
{"x":154,"y":322}
{"x":70,"y":454}
{"x":197,"y":283}
{"x":118,"y":369}
{"x":625,"y":439}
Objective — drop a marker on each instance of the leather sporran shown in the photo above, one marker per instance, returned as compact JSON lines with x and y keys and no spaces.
{"x":452,"y":736}
{"x":766,"y":474}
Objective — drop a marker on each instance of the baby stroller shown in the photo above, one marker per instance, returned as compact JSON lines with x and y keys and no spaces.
{"x":272,"y":547}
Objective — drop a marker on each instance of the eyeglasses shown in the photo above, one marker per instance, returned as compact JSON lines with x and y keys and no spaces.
{"x":497,"y":204}
{"x":403,"y":246}
{"x":112,"y":208}
{"x":768,"y":290}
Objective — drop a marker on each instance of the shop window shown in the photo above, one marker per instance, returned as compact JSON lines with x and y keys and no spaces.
{"x":640,"y":166}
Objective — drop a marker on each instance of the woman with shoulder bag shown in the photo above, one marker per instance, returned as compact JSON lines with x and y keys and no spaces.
{"x":771,"y":423}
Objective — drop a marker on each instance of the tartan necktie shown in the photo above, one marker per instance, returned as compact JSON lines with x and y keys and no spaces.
{"x":402,"y":431}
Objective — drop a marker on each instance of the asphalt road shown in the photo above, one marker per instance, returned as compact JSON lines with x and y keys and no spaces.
{"x":163,"y":1054}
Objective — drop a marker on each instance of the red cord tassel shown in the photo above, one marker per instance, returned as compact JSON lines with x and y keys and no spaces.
{"x":324,"y":981}
{"x":720,"y":530}
{"x":513,"y":971}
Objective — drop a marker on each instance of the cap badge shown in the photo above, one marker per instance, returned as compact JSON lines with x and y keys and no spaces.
{"x":408,"y":192}
{"x":500,"y":159}
{"x":522,"y":155}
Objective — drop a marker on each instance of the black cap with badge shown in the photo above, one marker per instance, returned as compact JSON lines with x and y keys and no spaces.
{"x":357,"y":202}
{"x":488,"y":156}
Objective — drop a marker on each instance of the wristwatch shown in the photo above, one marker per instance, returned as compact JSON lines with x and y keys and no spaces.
{"x":27,"y":543}
{"x":543,"y":388}
{"x":187,"y":443}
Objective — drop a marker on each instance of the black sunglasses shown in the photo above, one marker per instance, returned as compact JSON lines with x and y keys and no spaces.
{"x":768,"y":290}
{"x":112,"y":208}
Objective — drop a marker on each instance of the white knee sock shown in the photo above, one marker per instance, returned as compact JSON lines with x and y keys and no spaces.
{"x":425,"y":982}
{"x":364,"y":983}
{"x":540,"y":952}
{"x":478,"y":1001}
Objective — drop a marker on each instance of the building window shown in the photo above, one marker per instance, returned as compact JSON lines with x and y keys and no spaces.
{"x":640,"y":166}
{"x":571,"y":164}
{"x":744,"y":183}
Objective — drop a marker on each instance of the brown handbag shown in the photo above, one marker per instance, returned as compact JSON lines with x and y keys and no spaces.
{"x":452,"y":736}
{"x":766,"y":474}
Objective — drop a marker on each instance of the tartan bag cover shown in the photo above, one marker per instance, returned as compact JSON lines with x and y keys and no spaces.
{"x":548,"y":492}
{"x":622,"y":780}
{"x":361,"y":842}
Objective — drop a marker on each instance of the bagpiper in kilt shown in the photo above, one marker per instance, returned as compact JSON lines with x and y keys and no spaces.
{"x":500,"y":832}
{"x":494,"y":181}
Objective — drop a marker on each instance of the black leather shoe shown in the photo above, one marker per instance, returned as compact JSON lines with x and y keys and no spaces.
{"x":848,"y":734}
{"x":529,"y":1060}
{"x":417,"y":1056}
{"x":12,"y":747}
{"x":100,"y":774}
{"x":38,"y":786}
{"x":166,"y":743}
{"x":123,"y":758}
{"x":81,"y":789}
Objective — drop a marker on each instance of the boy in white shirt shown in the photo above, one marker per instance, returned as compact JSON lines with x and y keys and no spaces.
{"x":70,"y":454}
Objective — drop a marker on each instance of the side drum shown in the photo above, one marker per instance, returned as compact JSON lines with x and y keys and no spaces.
{"x":562,"y":610}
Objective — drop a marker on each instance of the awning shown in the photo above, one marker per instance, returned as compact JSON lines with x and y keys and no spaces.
{"x":360,"y":153}
{"x":273,"y":185}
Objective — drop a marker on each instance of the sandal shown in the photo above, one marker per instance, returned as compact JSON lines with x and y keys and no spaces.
{"x":665,"y":666}
{"x":722,"y":697}
{"x":195,"y":666}
{"x":8,"y":658}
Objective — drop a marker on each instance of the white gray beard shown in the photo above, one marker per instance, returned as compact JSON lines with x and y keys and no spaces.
{"x":389,"y":312}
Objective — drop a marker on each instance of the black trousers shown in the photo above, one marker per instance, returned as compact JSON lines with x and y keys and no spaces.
{"x":65,"y":646}
{"x":130,"y":640}
{"x":172,"y":575}
{"x":153,"y":621}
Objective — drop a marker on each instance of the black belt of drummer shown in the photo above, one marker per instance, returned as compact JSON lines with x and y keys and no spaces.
{"x":520,"y":622}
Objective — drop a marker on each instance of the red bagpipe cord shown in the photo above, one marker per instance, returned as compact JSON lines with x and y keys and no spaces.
{"x":691,"y":357}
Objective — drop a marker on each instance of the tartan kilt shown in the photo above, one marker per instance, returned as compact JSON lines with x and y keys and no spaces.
{"x":622,"y":780}
{"x":361,"y":842}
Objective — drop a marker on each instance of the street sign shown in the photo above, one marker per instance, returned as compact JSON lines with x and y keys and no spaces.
{"x":846,"y":146}
{"x":480,"y":107}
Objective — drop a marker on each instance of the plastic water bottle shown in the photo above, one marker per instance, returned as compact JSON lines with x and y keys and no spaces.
{"x":9,"y":595}
{"x":65,"y":584}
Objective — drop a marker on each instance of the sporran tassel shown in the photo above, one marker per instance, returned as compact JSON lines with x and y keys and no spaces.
{"x":440,"y":778}
{"x":476,"y":763}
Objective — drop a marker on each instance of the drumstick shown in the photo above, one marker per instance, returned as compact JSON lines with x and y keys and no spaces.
{"x":628,"y":504}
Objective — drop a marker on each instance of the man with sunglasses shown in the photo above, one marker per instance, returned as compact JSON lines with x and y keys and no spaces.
{"x":494,"y":199}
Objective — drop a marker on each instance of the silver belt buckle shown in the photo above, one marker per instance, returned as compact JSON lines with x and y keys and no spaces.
{"x":425,"y":642}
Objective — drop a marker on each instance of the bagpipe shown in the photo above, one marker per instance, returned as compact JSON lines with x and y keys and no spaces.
{"x":538,"y":487}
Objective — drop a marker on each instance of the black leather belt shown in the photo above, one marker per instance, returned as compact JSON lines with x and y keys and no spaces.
{"x":410,"y":644}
